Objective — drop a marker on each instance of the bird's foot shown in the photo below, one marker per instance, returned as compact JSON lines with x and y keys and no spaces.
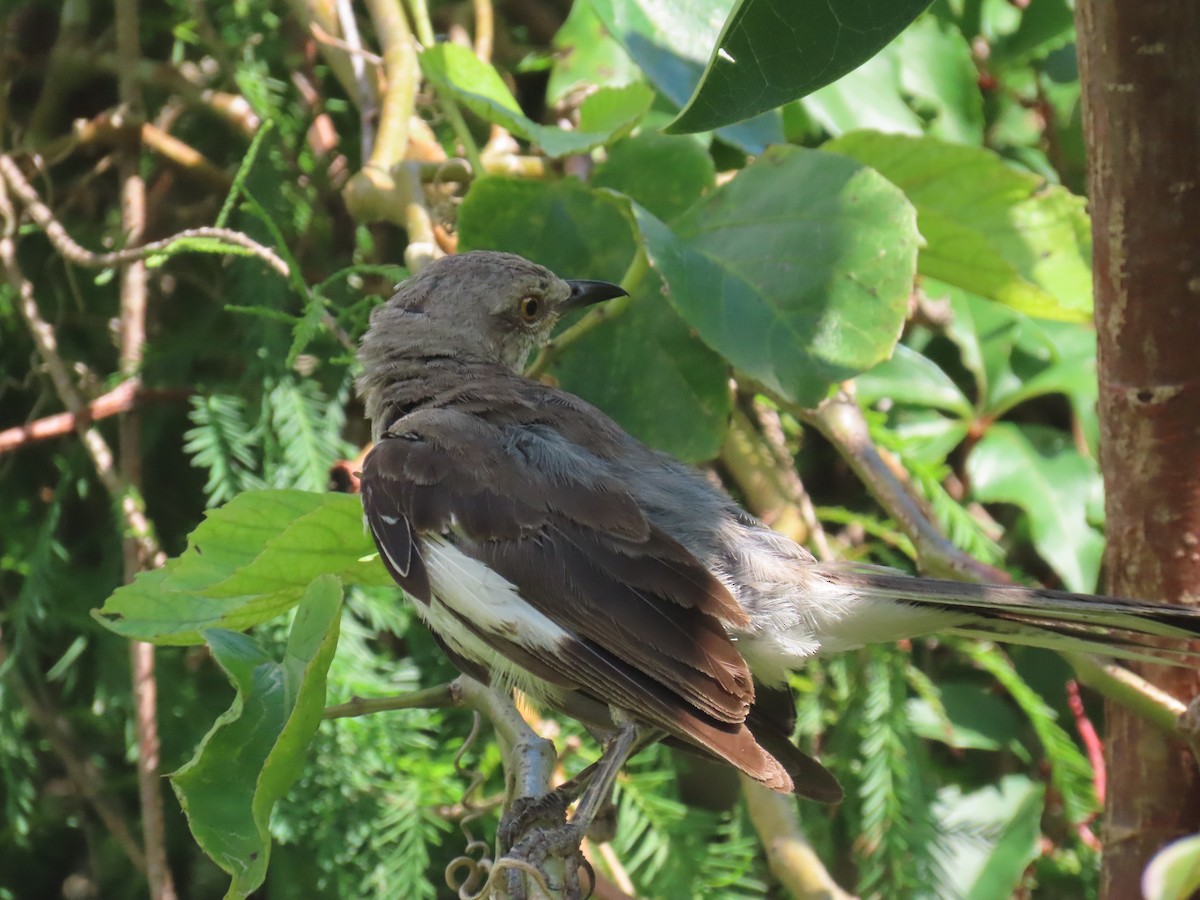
{"x":525,"y":813}
{"x":543,"y":845}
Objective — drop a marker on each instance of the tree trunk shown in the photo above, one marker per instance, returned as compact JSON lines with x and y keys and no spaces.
{"x":1140,"y":69}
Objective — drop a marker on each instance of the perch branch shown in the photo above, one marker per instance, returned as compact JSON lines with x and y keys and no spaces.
{"x":791,"y":858}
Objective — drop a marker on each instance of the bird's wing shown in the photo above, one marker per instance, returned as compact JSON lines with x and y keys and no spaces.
{"x":572,"y":541}
{"x":644,"y":618}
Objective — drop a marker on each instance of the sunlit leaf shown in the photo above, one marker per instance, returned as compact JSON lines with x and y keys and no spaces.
{"x":255,"y":750}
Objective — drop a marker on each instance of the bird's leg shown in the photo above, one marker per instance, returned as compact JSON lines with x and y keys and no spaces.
{"x":564,"y":840}
{"x":526,"y":812}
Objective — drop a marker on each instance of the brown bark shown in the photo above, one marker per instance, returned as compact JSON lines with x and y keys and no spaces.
{"x":1140,"y":70}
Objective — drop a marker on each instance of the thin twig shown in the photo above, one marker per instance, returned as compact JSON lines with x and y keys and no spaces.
{"x":140,"y":552}
{"x":46,"y":342}
{"x":842,"y":422}
{"x":70,"y":250}
{"x":387,"y":188}
{"x":431,"y":698}
{"x":772,"y":430}
{"x":112,"y":127}
{"x":751,"y":466}
{"x":485,"y":28}
{"x":367,"y":95}
{"x":323,"y":14}
{"x":423,"y":26}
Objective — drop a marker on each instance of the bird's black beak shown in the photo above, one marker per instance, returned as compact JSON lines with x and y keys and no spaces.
{"x":585,"y":293}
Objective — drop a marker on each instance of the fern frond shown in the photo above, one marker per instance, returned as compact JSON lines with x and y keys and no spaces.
{"x":223,"y":442}
{"x":1070,"y":771}
{"x":306,"y":429}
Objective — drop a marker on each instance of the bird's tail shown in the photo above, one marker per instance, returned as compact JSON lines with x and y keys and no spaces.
{"x":1059,"y":620}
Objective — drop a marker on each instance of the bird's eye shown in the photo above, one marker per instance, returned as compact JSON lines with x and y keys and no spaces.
{"x":530,"y":308}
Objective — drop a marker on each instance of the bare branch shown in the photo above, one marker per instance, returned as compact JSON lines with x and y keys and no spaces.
{"x":73,"y":252}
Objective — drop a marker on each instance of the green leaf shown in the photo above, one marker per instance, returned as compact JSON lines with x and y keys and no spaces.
{"x":770,"y":53}
{"x":938,"y":71}
{"x":974,"y":718}
{"x":671,"y":40}
{"x":247,"y":562}
{"x":990,"y":836}
{"x":1174,"y":873}
{"x":255,"y":750}
{"x":868,"y":97}
{"x":665,"y":174}
{"x":585,"y":56}
{"x":1015,"y":359}
{"x":797,"y":271}
{"x":1046,"y":26}
{"x":606,"y":114}
{"x":988,"y":228}
{"x":644,"y":367}
{"x":1039,"y":470}
{"x":573,"y":231}
{"x":910,"y":377}
{"x":678,"y":397}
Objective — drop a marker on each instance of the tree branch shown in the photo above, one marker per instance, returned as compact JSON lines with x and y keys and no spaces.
{"x":789,"y":854}
{"x":120,"y":399}
{"x":73,"y":252}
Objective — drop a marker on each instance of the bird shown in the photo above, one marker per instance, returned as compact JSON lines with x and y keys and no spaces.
{"x":549,"y":550}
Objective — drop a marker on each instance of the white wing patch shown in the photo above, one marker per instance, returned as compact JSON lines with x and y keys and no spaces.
{"x":491,"y":604}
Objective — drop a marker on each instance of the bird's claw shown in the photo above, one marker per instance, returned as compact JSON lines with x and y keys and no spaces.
{"x":526,"y":812}
{"x":539,"y":845}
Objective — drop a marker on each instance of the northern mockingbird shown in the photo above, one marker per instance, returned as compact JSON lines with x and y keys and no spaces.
{"x":549,"y":550}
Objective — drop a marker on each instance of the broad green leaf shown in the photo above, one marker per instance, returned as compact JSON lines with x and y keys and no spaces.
{"x":910,"y":377}
{"x":1045,"y":26}
{"x":937,"y":70}
{"x":990,"y":836}
{"x":770,"y":53}
{"x":665,"y":174}
{"x":255,"y":750}
{"x":975,"y":718}
{"x":644,"y":367}
{"x":653,"y":376}
{"x":797,"y":271}
{"x":1015,"y":359}
{"x":869,"y":97}
{"x":988,"y":228}
{"x":586,"y":56}
{"x":248,"y":561}
{"x":573,"y":231}
{"x":1039,"y":470}
{"x":606,"y":114}
{"x":1174,"y":873}
{"x":928,"y":437}
{"x":671,"y":40}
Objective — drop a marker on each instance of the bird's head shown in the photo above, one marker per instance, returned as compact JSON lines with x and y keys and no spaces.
{"x":479,"y":306}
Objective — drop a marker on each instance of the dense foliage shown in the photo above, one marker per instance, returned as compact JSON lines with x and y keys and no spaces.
{"x":929,"y":194}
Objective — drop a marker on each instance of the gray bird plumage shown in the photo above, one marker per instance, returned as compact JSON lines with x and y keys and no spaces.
{"x":548,"y":548}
